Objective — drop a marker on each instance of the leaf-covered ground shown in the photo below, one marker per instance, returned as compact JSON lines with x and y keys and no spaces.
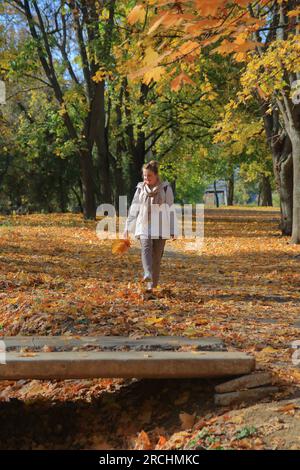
{"x":58,"y":278}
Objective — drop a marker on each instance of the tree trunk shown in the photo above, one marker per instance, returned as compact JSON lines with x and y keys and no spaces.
{"x":281,"y":148}
{"x":119,"y":183}
{"x":86,"y":167}
{"x":136,"y":147}
{"x":216,"y":194}
{"x":116,"y":161}
{"x":63,"y":198}
{"x":101,"y":139}
{"x":79,"y":201}
{"x":135,"y":168}
{"x":295,"y":138}
{"x":266,"y":192}
{"x":230,"y":190}
{"x":285,"y":175}
{"x":173,"y":184}
{"x":259,"y":197}
{"x":46,"y":57}
{"x":105,"y":189}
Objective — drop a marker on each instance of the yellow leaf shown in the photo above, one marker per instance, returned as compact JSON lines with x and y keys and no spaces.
{"x":155,"y":74}
{"x":269,"y":350}
{"x":240,"y":56}
{"x":154,"y":320}
{"x":296,"y":375}
{"x":238,"y":419}
{"x":151,"y":57}
{"x":294,"y":12}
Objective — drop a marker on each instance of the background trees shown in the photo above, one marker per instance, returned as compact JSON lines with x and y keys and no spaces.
{"x":96,"y":87}
{"x":263,"y":37}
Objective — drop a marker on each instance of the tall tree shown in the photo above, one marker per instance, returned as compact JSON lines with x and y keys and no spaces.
{"x":179,"y":29}
{"x":69,"y":44}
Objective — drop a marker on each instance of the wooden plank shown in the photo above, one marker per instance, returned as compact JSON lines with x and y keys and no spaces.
{"x":112,"y":342}
{"x":235,"y":398}
{"x":247,"y":381}
{"x":84,"y":365}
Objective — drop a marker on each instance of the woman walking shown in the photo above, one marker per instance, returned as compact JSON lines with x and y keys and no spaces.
{"x":151,"y":220}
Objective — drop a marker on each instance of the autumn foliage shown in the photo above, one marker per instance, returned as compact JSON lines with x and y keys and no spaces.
{"x":177,"y":31}
{"x":58,"y":278}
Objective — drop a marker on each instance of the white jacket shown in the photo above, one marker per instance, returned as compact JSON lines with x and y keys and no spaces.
{"x":164,"y":225}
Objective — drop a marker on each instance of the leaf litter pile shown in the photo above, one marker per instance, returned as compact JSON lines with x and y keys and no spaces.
{"x":59,"y":279}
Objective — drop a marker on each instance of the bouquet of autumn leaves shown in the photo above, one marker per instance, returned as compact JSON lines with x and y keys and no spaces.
{"x":121,"y":246}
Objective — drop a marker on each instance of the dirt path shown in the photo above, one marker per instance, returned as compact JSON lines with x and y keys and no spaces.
{"x":59,"y":279}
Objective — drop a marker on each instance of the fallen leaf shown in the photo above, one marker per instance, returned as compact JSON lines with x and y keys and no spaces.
{"x":28,"y":354}
{"x":142,"y":442}
{"x":187,"y":420}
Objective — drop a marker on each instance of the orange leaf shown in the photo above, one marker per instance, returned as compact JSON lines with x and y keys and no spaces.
{"x":119,"y":247}
{"x":242,"y":3}
{"x":261,"y":93}
{"x":289,"y":407}
{"x":209,"y":7}
{"x":137,"y":14}
{"x":161,"y":442}
{"x":178,"y":82}
{"x":158,"y":22}
{"x":202,"y":25}
{"x":143,"y":442}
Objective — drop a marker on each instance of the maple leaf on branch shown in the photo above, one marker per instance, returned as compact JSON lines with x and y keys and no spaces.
{"x":178,"y":82}
{"x":193,"y":25}
{"x":137,"y":14}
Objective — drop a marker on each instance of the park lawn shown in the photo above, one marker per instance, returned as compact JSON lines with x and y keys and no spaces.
{"x":58,"y":278}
